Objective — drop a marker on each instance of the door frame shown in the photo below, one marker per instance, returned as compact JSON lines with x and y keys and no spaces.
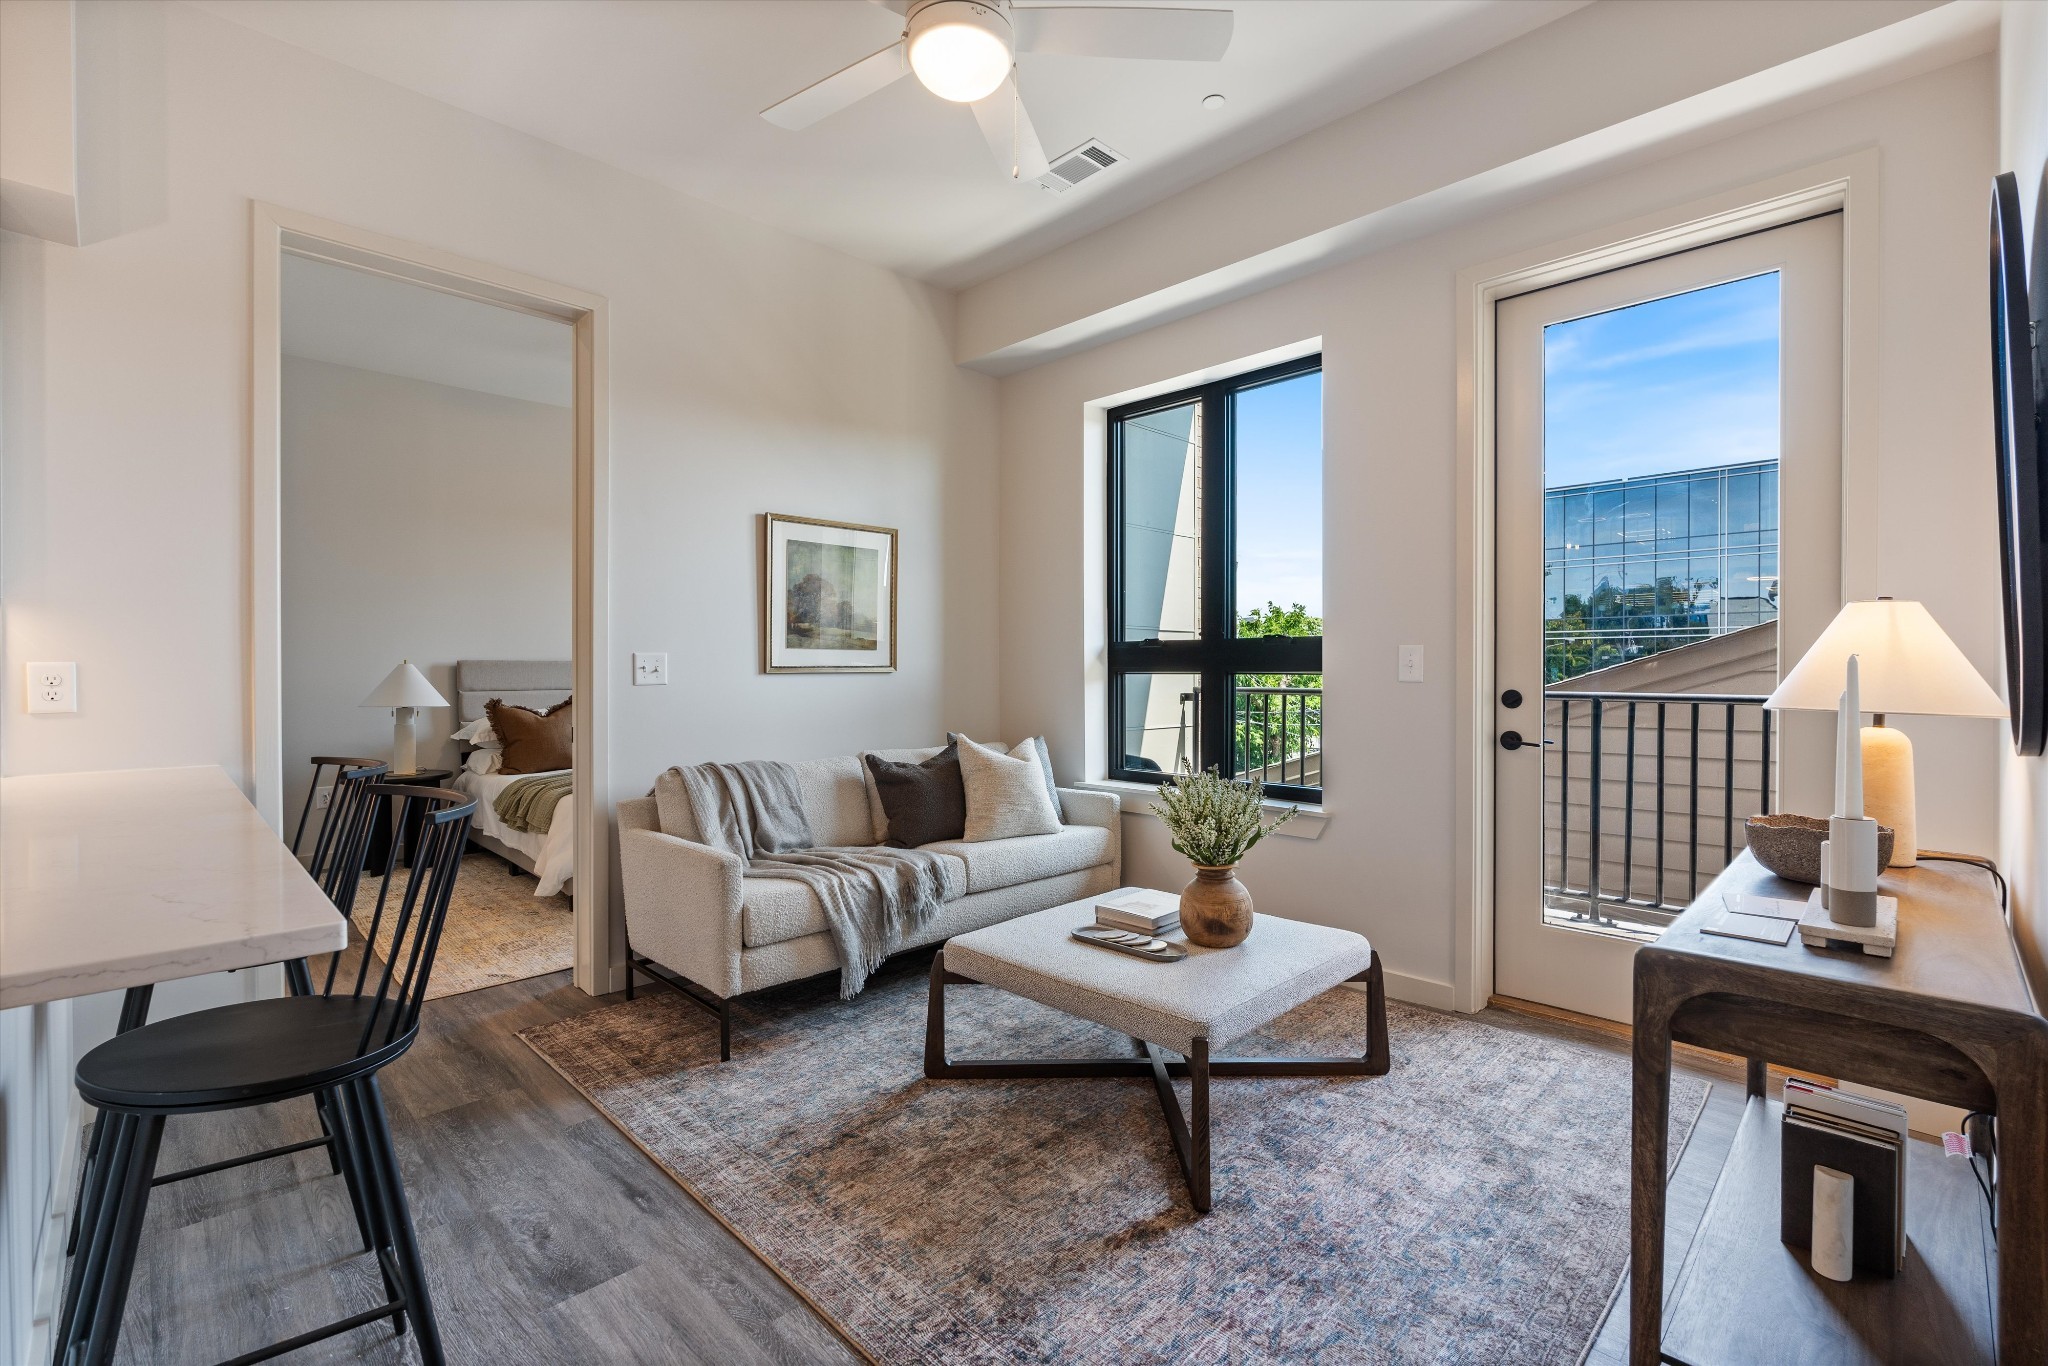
{"x":277,"y":232}
{"x":1846,"y":184}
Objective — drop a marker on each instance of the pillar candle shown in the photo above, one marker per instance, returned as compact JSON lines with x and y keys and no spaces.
{"x":1852,"y":734}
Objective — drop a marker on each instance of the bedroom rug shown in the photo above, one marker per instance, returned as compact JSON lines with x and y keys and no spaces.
{"x":498,"y":931}
{"x":1471,"y":1205}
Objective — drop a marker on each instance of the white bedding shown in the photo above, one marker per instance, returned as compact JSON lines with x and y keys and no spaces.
{"x":553,"y":854}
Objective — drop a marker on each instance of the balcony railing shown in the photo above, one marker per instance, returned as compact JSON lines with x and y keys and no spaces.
{"x":1280,"y":735}
{"x":1644,"y":797}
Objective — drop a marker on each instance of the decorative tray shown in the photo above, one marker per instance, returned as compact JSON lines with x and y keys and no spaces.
{"x":1130,"y":941}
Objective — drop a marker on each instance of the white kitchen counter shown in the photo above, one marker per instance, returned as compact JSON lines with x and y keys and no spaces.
{"x":137,"y":876}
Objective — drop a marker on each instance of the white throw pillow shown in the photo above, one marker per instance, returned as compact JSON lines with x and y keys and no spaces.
{"x":484,"y":760}
{"x":1006,"y":793}
{"x":479,"y":734}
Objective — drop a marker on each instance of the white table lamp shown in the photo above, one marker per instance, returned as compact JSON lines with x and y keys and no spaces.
{"x":1907,"y":666}
{"x":405,"y":690}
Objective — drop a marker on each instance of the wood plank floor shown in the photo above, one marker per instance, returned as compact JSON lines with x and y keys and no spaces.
{"x":549,"y":1237}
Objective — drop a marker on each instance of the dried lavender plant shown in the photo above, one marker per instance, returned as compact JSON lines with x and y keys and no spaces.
{"x":1215,"y":821}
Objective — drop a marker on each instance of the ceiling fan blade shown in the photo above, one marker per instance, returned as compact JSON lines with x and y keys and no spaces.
{"x":840,"y":89}
{"x":1178,"y":35}
{"x":1009,"y":133}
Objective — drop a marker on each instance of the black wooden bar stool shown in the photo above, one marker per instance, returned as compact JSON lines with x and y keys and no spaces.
{"x":339,"y":880}
{"x":329,"y":1043}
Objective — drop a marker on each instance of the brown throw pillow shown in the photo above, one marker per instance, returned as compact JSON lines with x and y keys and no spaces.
{"x":534,"y":741}
{"x":926,"y":802}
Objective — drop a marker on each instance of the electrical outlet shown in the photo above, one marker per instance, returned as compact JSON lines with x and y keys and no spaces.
{"x":52,"y":687}
{"x":650,"y":671}
{"x":322,"y":796}
{"x":1411,"y":664}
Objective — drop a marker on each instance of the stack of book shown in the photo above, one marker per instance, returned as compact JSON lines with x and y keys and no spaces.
{"x":1140,"y":912}
{"x":1862,"y":1137}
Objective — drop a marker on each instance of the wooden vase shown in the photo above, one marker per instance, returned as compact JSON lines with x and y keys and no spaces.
{"x":1215,"y":909}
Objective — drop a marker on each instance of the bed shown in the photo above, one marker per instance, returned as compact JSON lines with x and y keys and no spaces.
{"x":535,"y":683}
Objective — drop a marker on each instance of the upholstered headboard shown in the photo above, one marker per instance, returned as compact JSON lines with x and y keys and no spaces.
{"x":535,"y":683}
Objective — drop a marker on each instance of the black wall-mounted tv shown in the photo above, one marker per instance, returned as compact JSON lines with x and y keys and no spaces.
{"x":2020,"y":386}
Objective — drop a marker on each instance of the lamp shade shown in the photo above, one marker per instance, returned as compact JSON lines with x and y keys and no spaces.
{"x":406,"y":686}
{"x":1908,"y":666}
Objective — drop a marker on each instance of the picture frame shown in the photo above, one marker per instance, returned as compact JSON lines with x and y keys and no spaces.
{"x":828,"y":596}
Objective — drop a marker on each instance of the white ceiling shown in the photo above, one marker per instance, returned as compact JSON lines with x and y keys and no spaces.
{"x":673,"y":91}
{"x":352,"y":317}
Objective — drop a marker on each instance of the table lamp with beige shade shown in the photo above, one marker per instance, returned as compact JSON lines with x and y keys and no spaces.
{"x":1908,"y":667}
{"x":405,"y":690}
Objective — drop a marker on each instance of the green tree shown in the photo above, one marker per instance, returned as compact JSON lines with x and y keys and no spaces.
{"x":1273,"y":727}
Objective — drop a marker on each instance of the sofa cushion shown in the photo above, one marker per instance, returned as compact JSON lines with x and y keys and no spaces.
{"x":894,"y":756}
{"x":773,"y":909}
{"x":1052,"y":784}
{"x":835,"y":800}
{"x":832,"y":792}
{"x":1005,"y":863}
{"x":925,"y":802}
{"x":1006,"y":793}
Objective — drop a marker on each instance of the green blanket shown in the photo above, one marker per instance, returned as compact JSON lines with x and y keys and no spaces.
{"x":529,"y":803}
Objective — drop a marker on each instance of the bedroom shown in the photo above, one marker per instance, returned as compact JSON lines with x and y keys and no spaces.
{"x":426,"y":459}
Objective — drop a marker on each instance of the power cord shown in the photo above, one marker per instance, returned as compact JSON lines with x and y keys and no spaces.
{"x":1974,"y":1123}
{"x":1975,"y":861}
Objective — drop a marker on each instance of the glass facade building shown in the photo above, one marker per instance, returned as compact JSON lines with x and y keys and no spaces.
{"x":1633,"y":567}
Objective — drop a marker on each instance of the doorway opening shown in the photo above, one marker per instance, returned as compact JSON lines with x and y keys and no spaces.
{"x":1668,"y":476}
{"x":453,"y":520}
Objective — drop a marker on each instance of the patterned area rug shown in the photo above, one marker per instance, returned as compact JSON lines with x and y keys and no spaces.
{"x":1470,"y":1206}
{"x":498,"y":931}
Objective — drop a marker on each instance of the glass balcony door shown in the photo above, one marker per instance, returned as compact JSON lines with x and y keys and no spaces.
{"x":1667,"y":521}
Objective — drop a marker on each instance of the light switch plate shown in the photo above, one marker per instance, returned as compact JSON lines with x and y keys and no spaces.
{"x":650,"y":671}
{"x":1411,"y":664}
{"x":52,"y":687}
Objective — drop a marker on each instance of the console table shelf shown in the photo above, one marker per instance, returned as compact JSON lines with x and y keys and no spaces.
{"x":1744,"y":1297}
{"x":1950,"y":1019}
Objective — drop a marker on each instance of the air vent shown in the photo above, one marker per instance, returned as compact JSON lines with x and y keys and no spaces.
{"x":1071,"y":168}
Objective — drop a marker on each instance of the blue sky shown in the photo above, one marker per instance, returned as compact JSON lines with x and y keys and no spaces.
{"x":1280,"y":495}
{"x":1673,"y":384}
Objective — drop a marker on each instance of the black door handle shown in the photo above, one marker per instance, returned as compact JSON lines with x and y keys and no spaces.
{"x":1512,"y":739}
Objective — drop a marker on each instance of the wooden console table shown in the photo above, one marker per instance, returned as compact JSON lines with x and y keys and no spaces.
{"x":1948,"y":1019}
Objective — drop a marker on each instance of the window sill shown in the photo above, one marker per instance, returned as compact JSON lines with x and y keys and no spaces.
{"x":1138,"y":799}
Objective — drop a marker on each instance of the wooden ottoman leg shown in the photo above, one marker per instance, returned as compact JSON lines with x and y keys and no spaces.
{"x":1379,"y":1058}
{"x":1198,"y":1126}
{"x":935,"y":1019}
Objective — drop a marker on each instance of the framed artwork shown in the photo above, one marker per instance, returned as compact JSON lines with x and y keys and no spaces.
{"x":829,"y":602}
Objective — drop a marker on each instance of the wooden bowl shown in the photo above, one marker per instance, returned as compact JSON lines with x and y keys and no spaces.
{"x":1790,"y":845}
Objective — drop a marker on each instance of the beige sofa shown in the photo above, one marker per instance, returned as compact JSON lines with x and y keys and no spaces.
{"x":696,"y":922}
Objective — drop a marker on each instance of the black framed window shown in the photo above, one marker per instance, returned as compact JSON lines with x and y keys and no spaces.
{"x":1215,"y":581}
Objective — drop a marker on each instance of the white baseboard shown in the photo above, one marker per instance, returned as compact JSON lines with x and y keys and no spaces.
{"x":1418,"y":991}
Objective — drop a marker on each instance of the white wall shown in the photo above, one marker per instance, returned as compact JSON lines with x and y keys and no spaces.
{"x":751,"y":372}
{"x":1383,"y":864}
{"x":421,"y":522}
{"x":2023,"y":149}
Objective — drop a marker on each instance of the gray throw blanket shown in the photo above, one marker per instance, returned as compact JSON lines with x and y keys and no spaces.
{"x":874,"y":897}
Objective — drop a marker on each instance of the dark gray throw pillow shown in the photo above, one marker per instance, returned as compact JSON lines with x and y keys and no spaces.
{"x":926,"y":802}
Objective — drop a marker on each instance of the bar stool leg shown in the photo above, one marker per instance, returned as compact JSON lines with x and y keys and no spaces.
{"x":134,"y":1015}
{"x":384,"y":1161}
{"x":82,"y":1282}
{"x":345,"y":1138}
{"x":375,"y":1209}
{"x":131,"y":1203}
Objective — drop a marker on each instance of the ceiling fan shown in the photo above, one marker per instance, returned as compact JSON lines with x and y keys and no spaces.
{"x":966,"y":51}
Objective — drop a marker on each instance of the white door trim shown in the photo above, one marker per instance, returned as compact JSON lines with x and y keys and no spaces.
{"x":1848,"y":184}
{"x":277,"y":232}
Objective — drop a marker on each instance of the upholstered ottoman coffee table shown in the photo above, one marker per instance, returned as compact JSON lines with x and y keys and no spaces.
{"x":1185,"y":1008}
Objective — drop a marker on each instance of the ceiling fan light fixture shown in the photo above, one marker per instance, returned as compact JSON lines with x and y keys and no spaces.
{"x":960,"y":50}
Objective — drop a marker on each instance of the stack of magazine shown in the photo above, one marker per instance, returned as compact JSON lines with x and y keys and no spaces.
{"x":1862,"y":1137}
{"x":1139,"y":912}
